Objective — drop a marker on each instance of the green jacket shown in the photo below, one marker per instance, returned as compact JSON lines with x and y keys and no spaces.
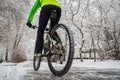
{"x":38,"y":4}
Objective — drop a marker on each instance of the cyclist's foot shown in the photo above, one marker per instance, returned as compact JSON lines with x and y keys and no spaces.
{"x":37,"y":55}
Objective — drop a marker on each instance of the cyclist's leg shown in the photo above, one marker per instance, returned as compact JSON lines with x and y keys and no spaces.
{"x":55,"y":21}
{"x":43,"y":20}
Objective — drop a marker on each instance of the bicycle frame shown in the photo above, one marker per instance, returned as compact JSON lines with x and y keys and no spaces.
{"x":47,"y":34}
{"x":46,"y":42}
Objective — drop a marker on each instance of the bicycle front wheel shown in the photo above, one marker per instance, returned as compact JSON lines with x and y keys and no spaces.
{"x":62,"y":52}
{"x":36,"y":63}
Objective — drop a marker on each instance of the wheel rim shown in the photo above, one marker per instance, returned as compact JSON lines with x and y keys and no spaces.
{"x":59,"y":59}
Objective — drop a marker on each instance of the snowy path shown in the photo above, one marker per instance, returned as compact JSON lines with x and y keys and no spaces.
{"x":88,"y":70}
{"x":77,"y":74}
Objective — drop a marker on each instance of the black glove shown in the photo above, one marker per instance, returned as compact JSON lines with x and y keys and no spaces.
{"x":29,"y":24}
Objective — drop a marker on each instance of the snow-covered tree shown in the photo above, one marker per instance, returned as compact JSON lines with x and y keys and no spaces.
{"x":95,"y":25}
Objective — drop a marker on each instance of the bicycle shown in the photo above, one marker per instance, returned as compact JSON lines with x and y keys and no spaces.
{"x":59,"y":50}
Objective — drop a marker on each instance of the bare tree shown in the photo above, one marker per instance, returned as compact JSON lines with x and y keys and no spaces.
{"x":110,"y":23}
{"x":12,"y":32}
{"x":74,"y":13}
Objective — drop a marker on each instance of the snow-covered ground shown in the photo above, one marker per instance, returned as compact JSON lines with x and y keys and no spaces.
{"x":107,"y":64}
{"x":24,"y":71}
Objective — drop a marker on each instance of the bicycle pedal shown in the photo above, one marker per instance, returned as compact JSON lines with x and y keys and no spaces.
{"x":43,"y":55}
{"x":37,"y":55}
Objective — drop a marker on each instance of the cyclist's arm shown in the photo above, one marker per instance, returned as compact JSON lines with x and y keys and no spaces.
{"x":34,"y":9}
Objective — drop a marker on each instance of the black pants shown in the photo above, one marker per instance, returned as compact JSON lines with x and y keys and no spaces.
{"x":43,"y":20}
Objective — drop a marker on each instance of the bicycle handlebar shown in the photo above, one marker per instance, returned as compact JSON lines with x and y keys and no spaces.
{"x":33,"y":27}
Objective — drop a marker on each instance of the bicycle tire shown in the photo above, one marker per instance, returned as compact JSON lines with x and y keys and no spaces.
{"x":37,"y":60}
{"x":36,"y":63}
{"x":70,"y":56}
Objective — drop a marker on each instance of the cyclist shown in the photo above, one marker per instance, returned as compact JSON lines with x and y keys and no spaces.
{"x":46,"y":7}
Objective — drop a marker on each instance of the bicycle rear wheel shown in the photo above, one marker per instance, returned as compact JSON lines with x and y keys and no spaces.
{"x":62,"y":53}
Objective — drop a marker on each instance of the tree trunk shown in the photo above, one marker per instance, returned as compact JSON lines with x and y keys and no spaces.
{"x":6,"y":56}
{"x":81,"y":58}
